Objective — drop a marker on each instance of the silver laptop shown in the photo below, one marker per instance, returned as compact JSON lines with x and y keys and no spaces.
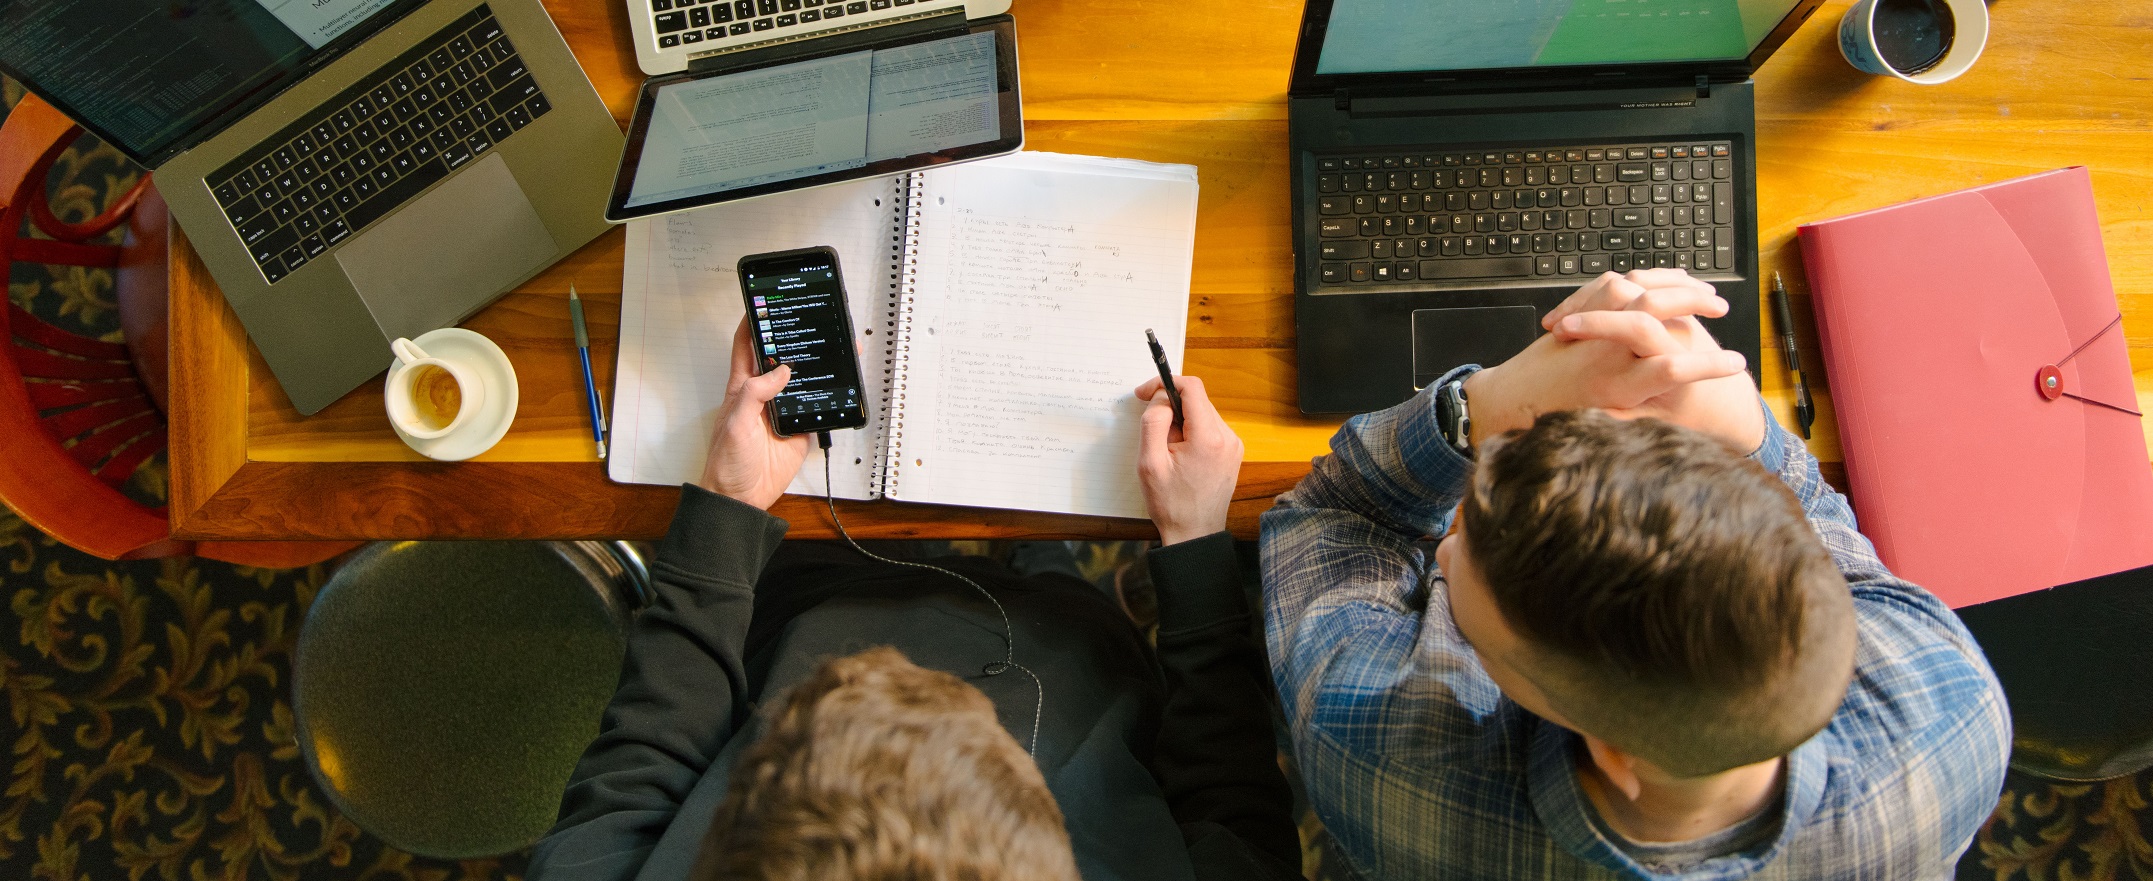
{"x":351,"y":171}
{"x":671,"y":35}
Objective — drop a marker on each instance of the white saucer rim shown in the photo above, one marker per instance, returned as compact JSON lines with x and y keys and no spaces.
{"x":497,"y":364}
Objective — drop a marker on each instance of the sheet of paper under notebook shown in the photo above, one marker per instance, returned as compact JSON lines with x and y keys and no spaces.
{"x":1000,"y":306}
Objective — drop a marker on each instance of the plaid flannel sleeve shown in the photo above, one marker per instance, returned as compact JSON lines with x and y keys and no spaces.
{"x":1349,"y":578}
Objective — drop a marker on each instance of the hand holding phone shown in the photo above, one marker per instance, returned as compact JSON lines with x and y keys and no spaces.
{"x":797,"y":315}
{"x":747,"y":461}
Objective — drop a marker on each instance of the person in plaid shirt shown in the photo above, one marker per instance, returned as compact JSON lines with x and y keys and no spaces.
{"x":1587,"y":637}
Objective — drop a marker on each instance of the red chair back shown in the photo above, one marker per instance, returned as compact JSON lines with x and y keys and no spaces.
{"x":75,"y":417}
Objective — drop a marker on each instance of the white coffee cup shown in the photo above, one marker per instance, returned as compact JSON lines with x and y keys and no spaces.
{"x":1969,"y":33}
{"x":427,"y":404}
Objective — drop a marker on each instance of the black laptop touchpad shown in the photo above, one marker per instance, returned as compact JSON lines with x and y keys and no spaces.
{"x":1443,"y":339}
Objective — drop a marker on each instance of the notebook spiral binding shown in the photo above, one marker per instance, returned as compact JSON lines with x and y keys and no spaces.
{"x":904,"y":279}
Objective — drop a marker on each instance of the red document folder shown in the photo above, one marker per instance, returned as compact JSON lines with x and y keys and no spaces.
{"x":1983,"y":388}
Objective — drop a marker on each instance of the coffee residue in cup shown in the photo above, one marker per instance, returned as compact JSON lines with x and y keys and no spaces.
{"x":436,"y":397}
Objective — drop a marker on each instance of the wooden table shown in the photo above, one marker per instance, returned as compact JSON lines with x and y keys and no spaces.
{"x":1200,"y":82}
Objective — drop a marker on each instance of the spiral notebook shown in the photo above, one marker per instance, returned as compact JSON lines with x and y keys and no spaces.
{"x":1000,"y":307}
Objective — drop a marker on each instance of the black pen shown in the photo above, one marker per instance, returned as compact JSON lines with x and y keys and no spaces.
{"x":1166,"y":374}
{"x":1804,"y":412}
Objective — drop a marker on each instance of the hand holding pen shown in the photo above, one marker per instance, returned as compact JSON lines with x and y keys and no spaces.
{"x":1188,"y":460}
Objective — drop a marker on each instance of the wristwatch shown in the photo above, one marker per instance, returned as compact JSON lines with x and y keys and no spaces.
{"x":1452,"y":418}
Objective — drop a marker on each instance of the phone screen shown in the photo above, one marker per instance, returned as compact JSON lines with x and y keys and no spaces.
{"x":797,"y":303}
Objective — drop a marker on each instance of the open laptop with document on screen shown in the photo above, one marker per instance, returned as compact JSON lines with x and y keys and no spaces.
{"x":350,"y":171}
{"x":672,"y":35}
{"x":1459,"y":167}
{"x":862,"y":104}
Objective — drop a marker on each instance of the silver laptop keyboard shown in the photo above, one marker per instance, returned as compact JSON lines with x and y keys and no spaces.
{"x":689,"y":22}
{"x":378,"y":144}
{"x":1445,"y":217}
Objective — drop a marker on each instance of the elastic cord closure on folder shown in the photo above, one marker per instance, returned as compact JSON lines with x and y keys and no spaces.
{"x":2049,"y":379}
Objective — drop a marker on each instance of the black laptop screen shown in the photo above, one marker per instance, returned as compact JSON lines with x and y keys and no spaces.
{"x":1398,"y":36}
{"x":146,"y":73}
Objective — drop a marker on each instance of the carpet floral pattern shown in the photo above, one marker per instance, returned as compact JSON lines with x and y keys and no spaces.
{"x":148,"y":725}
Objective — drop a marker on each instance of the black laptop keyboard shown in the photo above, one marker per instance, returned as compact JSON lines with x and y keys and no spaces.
{"x":688,"y":22}
{"x":378,"y":144}
{"x":1437,"y":217}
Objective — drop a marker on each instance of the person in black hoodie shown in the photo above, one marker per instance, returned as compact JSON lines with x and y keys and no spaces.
{"x":1162,"y":761}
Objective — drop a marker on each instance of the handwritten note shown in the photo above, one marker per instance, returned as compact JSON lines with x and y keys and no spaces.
{"x":681,"y":304}
{"x":1038,"y":275}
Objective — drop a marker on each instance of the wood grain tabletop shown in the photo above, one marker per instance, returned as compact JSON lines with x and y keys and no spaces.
{"x":1200,"y":82}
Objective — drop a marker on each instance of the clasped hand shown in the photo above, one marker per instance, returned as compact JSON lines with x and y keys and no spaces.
{"x":1629,"y":344}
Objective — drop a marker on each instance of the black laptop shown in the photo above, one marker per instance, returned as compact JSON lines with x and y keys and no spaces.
{"x":1460,"y":166}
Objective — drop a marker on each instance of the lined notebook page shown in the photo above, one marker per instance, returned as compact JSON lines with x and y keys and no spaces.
{"x":1037,"y":276}
{"x":681,"y":303}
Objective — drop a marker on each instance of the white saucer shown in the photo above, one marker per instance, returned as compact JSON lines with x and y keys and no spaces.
{"x":491,"y":422}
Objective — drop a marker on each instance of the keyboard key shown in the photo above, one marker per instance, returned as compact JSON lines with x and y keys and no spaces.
{"x":1593,"y":264}
{"x":1357,"y":272}
{"x":1490,"y":267}
{"x":1334,"y":205}
{"x":786,"y":21}
{"x":855,"y":8}
{"x":699,"y":17}
{"x":1342,"y":250}
{"x":737,"y":28}
{"x":668,"y":42}
{"x":764,"y":24}
{"x":1332,"y":273}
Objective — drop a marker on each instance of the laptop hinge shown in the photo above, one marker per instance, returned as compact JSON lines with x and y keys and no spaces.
{"x":1344,"y":102}
{"x":1704,"y":85}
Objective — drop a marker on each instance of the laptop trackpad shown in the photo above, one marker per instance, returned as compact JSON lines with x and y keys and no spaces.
{"x":1445,"y":339}
{"x":438,"y":259}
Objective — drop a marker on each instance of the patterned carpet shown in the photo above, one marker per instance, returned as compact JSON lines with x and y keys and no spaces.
{"x":149,"y":728}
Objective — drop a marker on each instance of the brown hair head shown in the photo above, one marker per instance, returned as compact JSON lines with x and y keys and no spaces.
{"x":874,"y":769}
{"x":1673,"y":598}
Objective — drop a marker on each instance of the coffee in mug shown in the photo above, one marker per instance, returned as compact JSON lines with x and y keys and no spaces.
{"x":1919,"y":41}
{"x":1912,"y":35}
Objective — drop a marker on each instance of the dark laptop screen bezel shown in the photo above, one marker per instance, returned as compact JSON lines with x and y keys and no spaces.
{"x":1008,"y":103}
{"x":238,"y":108}
{"x":1315,"y":23}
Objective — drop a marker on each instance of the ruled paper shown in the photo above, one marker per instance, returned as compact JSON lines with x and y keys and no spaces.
{"x":1038,"y":274}
{"x":681,"y":303}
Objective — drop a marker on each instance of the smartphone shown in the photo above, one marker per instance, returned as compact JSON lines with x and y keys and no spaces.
{"x":796,"y":306}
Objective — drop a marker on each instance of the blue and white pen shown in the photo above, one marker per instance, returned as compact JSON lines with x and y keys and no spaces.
{"x":590,"y":386}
